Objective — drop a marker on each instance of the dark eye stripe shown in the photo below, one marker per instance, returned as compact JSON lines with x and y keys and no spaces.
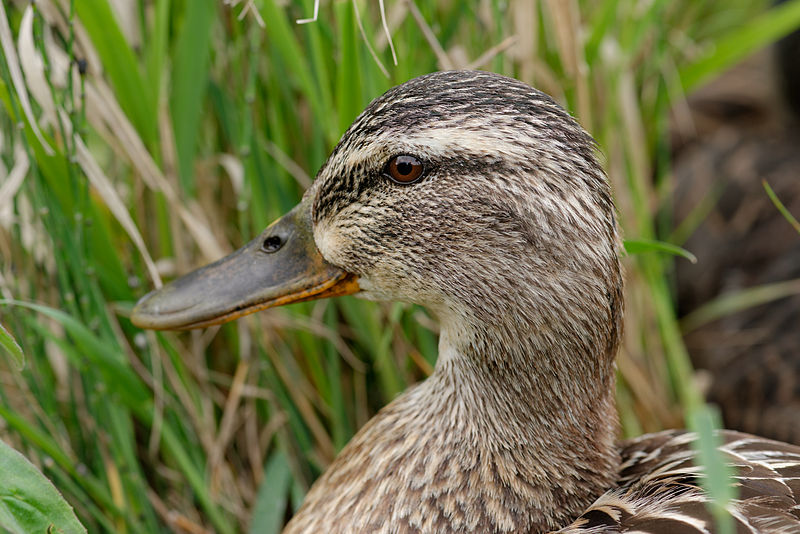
{"x":348,"y":185}
{"x":404,"y":169}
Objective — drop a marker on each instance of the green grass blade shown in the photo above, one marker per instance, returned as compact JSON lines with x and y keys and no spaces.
{"x":273,"y":495}
{"x":781,"y":208}
{"x":189,"y":84}
{"x":641,"y":246}
{"x":718,"y":481}
{"x":730,"y":303}
{"x":11,"y":346}
{"x":121,"y":65}
{"x":156,"y":52}
{"x":348,"y":83}
{"x":734,"y":46}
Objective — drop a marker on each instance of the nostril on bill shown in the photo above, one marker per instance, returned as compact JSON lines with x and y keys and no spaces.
{"x":272,"y":244}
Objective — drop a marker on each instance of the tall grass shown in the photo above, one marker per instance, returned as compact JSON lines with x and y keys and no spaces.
{"x":173,"y":132}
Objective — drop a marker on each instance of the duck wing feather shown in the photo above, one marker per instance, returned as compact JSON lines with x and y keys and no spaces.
{"x":659,"y":488}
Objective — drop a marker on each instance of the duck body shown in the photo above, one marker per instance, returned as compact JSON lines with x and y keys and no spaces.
{"x":480,"y":198}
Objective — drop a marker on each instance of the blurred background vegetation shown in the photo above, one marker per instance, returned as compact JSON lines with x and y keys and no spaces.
{"x":142,"y":138}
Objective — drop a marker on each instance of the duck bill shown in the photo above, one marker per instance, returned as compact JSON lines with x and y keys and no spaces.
{"x":279,"y":267}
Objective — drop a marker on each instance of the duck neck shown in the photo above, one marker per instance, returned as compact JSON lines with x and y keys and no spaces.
{"x":539,"y":410}
{"x":513,"y":433}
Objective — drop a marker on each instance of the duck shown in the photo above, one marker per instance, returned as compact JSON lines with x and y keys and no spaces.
{"x":480,"y":198}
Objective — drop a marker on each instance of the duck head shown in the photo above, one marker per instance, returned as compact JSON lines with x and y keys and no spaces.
{"x":467,"y":192}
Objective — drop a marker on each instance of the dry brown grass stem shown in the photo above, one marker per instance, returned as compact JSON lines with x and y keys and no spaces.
{"x":421,"y":362}
{"x":230,"y":419}
{"x":15,"y":72}
{"x":177,"y":522}
{"x":397,"y":14}
{"x":366,"y":39}
{"x":493,"y":52}
{"x":318,"y":328}
{"x":445,"y":63}
{"x":569,"y":36}
{"x":295,"y":170}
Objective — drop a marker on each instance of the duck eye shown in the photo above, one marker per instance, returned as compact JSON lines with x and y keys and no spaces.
{"x":404,"y":169}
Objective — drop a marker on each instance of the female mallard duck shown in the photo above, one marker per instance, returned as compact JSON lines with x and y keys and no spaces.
{"x":480,"y":198}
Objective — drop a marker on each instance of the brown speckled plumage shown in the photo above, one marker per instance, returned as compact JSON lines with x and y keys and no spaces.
{"x":510,"y":238}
